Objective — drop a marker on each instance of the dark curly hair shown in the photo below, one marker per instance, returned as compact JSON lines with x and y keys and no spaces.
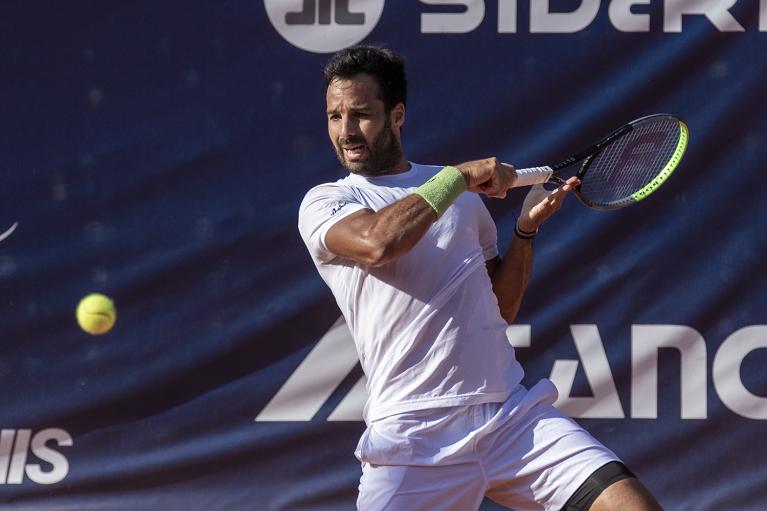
{"x":384,"y":65}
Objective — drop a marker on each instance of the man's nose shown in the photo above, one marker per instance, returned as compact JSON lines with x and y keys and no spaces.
{"x":349,"y":127}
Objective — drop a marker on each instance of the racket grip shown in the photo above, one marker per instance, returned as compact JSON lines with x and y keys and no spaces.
{"x":532,"y":176}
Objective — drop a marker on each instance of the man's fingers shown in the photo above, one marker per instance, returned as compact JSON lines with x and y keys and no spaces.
{"x":566,"y":188}
{"x":541,"y":203}
{"x":571,"y":184}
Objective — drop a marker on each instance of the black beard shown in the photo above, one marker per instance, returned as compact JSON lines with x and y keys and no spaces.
{"x":384,"y":154}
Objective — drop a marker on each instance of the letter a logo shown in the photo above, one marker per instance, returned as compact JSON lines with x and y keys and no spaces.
{"x":324,"y":26}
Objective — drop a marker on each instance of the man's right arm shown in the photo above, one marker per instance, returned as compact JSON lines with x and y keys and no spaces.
{"x":376,"y":238}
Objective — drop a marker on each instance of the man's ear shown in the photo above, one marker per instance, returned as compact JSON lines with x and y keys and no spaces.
{"x":398,"y":115}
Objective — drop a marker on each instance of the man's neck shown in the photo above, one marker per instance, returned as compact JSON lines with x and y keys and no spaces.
{"x":401,"y":167}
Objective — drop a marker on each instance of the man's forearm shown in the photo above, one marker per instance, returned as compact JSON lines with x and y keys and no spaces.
{"x":511,"y":276}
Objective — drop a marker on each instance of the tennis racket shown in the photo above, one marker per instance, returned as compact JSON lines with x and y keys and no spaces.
{"x":624,"y":167}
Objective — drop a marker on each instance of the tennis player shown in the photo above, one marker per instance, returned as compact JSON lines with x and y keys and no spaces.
{"x":410,"y":254}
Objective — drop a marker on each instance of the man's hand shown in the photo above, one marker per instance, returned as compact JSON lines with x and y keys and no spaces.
{"x":488,"y":176}
{"x":540,"y":204}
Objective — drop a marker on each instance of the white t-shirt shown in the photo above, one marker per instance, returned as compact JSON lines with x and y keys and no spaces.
{"x":426,"y":326}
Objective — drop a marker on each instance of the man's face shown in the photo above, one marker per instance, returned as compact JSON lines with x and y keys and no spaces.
{"x":365,"y":138}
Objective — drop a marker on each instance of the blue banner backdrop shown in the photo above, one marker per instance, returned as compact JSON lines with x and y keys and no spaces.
{"x":157,"y":152}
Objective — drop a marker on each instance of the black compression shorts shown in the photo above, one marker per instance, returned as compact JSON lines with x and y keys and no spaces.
{"x":596,"y":484}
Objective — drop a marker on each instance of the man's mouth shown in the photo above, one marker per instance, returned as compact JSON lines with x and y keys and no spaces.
{"x":353,"y":151}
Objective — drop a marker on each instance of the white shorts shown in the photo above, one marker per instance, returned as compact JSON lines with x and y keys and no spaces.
{"x":523,"y":453}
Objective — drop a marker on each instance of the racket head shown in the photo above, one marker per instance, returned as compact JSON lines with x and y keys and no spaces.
{"x":633,"y":166}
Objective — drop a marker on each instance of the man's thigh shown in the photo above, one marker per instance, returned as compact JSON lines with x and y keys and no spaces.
{"x":625,"y":495}
{"x":539,"y":458}
{"x":459,"y":487}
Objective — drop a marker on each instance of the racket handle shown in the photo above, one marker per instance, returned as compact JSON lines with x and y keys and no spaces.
{"x":532,"y":176}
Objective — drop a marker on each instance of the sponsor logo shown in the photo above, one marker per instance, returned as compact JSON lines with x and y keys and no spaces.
{"x":8,"y":232}
{"x":338,"y":207}
{"x":17,"y":444}
{"x":324,"y":26}
{"x":334,"y":357}
{"x":543,"y":19}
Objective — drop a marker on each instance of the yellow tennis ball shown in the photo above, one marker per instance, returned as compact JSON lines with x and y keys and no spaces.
{"x":96,"y":314}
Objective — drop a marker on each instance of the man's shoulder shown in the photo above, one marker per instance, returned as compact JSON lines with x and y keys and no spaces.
{"x":328,"y":189}
{"x":328,"y":198}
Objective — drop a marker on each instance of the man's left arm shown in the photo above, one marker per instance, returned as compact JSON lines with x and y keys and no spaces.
{"x":511,"y":274}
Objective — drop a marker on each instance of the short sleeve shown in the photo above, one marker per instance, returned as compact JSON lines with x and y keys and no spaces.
{"x":488,"y":234}
{"x":321,"y":208}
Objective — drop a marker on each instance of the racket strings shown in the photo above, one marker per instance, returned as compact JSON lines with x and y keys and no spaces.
{"x":631,"y":162}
